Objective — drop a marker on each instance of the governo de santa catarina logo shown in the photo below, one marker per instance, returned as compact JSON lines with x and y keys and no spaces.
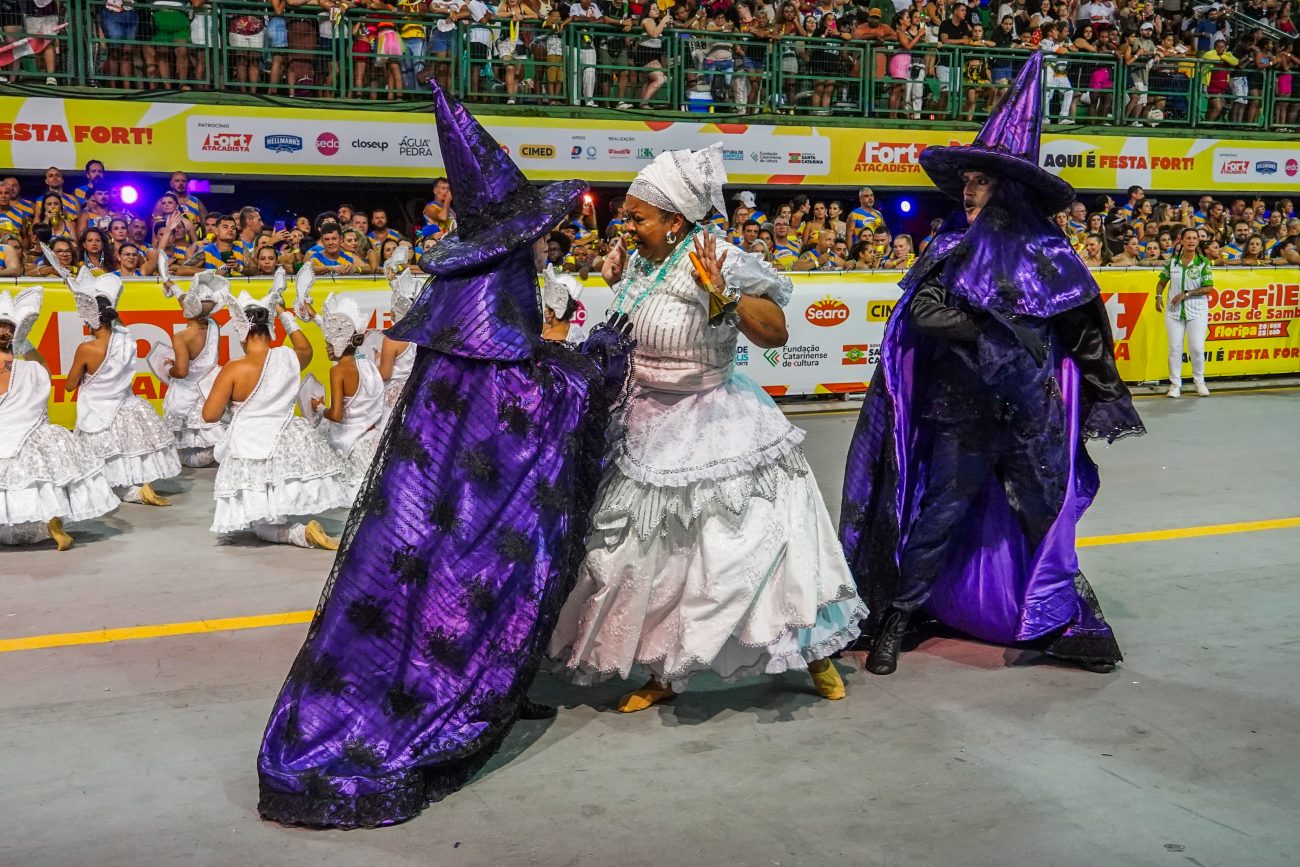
{"x":827,"y":312}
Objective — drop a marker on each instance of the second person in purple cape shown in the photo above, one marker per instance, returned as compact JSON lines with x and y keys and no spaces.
{"x":967,"y":473}
{"x":710,"y":547}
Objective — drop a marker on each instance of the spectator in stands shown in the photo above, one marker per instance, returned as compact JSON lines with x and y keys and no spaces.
{"x":42,"y":18}
{"x":95,"y":212}
{"x":220,"y":252}
{"x":820,"y":224}
{"x":1253,"y":253}
{"x":264,"y":263}
{"x":863,"y":256}
{"x":11,"y":257}
{"x":954,"y":32}
{"x":54,"y":187}
{"x":864,"y":218}
{"x":1287,"y":252}
{"x":94,"y":179}
{"x":902,"y":255}
{"x":438,"y":212}
{"x":1095,"y":254}
{"x":1151,"y":254}
{"x":358,"y":249}
{"x":1057,"y":68}
{"x":63,"y":251}
{"x":245,"y":41}
{"x":976,"y":76}
{"x":130,"y":261}
{"x":1139,"y":53}
{"x":1215,"y":78}
{"x":331,"y":258}
{"x":820,"y":255}
{"x":53,"y":214}
{"x":379,"y":229}
{"x":907,"y":68}
{"x":1241,"y":232}
{"x":96,"y":254}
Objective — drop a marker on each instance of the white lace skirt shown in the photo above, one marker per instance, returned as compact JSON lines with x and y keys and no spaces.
{"x":192,"y":432}
{"x":357,"y":461}
{"x":740,"y":576}
{"x":136,"y":448}
{"x":53,"y":476}
{"x":303,"y":476}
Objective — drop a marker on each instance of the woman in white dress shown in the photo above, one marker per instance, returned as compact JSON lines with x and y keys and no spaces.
{"x":710,"y":547}
{"x":352,"y":419}
{"x":46,"y":476}
{"x":194,"y":359}
{"x":274,"y":466}
{"x":560,"y":293}
{"x":113,"y":424}
{"x":397,"y":357}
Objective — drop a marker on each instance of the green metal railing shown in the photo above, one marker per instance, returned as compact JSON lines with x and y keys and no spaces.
{"x":364,"y":56}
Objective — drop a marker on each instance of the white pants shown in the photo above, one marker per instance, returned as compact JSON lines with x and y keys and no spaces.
{"x":24,"y":534}
{"x":1062,"y":83}
{"x":282,"y":534}
{"x":585,"y":72}
{"x":1195,"y":330}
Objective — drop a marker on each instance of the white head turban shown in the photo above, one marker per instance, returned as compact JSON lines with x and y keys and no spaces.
{"x":684,"y":182}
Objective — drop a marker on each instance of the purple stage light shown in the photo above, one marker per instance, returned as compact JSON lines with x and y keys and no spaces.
{"x":130,"y":195}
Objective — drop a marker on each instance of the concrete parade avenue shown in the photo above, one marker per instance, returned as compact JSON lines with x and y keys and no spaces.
{"x":137,"y":746}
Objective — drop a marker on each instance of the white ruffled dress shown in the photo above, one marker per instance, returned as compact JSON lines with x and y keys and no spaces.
{"x":356,"y":437}
{"x":710,"y":547}
{"x":183,"y":404}
{"x":121,"y":430}
{"x":45,"y":472}
{"x":274,"y":466}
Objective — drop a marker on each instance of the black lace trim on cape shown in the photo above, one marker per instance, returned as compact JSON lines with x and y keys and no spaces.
{"x":321,"y":806}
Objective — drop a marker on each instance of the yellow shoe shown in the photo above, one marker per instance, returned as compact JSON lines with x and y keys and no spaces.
{"x":827,"y":679}
{"x":647,"y":696}
{"x":149,"y":497}
{"x":318,"y":538}
{"x":60,"y":536}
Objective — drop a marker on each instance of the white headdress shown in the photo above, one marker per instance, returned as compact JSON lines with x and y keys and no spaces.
{"x":22,"y":310}
{"x":557,"y":289}
{"x":340,"y":321}
{"x":86,"y":287}
{"x":684,"y":182}
{"x":406,"y":284}
{"x":204,"y":286}
{"x":302,"y":290}
{"x":239,"y":307}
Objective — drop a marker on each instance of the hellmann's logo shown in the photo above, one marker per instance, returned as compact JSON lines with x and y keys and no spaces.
{"x":827,"y":312}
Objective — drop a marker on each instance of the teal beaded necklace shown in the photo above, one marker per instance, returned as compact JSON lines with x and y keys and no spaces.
{"x":644,"y":270}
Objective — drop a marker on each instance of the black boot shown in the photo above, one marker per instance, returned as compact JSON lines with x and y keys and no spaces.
{"x":883,"y":658}
{"x":530,"y":710}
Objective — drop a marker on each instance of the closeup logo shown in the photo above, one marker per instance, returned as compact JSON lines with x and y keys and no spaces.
{"x":1234,"y":167}
{"x":773,"y":357}
{"x":227,"y":142}
{"x":327,"y":143}
{"x":1292,"y":168}
{"x":283,"y":144}
{"x":888,"y":156}
{"x":878,"y":311}
{"x":856,"y":353}
{"x":362,"y":144}
{"x":1266,"y":167}
{"x":537,"y":151}
{"x":575,"y":152}
{"x":827,"y":312}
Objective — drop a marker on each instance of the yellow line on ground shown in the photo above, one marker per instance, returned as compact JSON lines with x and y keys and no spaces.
{"x":261,"y":621}
{"x":1187,"y":532}
{"x":160,"y":630}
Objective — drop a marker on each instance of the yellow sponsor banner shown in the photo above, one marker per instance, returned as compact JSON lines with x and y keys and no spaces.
{"x":836,"y":321}
{"x":1254,"y":323}
{"x":141,"y":136}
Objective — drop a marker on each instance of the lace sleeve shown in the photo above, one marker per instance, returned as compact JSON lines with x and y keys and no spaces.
{"x":750,"y":275}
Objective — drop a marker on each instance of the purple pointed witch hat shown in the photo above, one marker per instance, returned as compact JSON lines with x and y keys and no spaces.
{"x":483,"y":302}
{"x":1007,"y":145}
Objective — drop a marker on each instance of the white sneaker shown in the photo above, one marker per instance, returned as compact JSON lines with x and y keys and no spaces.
{"x":1201,"y":390}
{"x":1174,"y":391}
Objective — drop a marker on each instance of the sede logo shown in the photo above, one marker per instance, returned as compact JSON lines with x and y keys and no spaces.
{"x":827,"y":312}
{"x":327,"y":143}
{"x":227,"y":142}
{"x":885,"y":156}
{"x":1292,"y":168}
{"x":878,"y":311}
{"x":537,"y":151}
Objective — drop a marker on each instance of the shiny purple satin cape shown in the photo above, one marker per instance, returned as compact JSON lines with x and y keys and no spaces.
{"x":457,"y":556}
{"x":993,"y":586}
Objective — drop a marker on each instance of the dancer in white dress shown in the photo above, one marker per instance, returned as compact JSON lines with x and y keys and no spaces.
{"x":195,"y":351}
{"x":397,"y":357}
{"x":273,"y":465}
{"x":560,"y":293}
{"x":113,"y":424}
{"x":352,"y":419}
{"x":710,"y":547}
{"x":46,"y":475}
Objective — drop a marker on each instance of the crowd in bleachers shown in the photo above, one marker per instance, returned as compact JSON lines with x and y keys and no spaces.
{"x":88,"y":224}
{"x":1125,"y":61}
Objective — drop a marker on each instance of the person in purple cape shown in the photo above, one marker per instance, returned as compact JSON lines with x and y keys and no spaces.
{"x":467,"y":532}
{"x":967,"y":472}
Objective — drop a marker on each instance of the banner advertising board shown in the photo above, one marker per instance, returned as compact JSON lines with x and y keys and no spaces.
{"x":836,"y":322}
{"x":141,"y":136}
